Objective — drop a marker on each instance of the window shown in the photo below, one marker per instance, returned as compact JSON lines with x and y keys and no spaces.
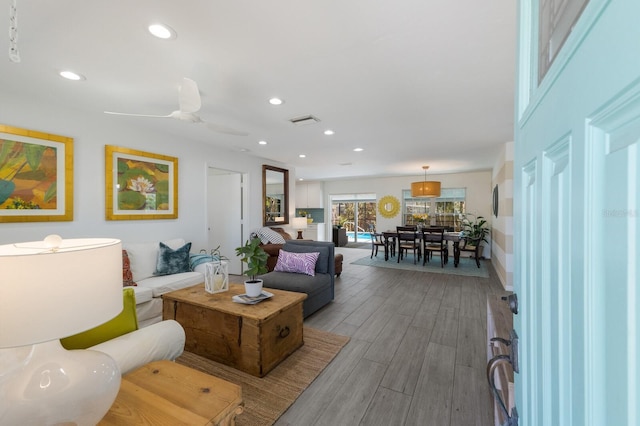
{"x":443,"y":211}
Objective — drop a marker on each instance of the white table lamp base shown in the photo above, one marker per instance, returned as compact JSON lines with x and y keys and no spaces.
{"x":45,"y":384}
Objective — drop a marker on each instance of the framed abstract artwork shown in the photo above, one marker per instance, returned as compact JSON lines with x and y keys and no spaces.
{"x":140,"y":185}
{"x":36,"y":176}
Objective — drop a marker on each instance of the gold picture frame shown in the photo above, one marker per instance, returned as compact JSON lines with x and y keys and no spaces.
{"x":140,"y":185}
{"x":36,"y":176}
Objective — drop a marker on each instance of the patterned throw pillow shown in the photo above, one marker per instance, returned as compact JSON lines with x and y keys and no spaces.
{"x":127,"y":276}
{"x":268,"y":235}
{"x":173,"y":261}
{"x":298,"y":263}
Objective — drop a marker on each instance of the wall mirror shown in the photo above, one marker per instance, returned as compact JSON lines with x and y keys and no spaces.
{"x":275,"y":195}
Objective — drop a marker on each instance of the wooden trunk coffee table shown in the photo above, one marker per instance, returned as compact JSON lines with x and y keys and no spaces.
{"x":251,"y":338}
{"x":164,"y":393}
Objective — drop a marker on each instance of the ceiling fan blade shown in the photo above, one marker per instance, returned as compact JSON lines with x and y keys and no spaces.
{"x":228,"y":130}
{"x":137,"y":115}
{"x":189,"y":97}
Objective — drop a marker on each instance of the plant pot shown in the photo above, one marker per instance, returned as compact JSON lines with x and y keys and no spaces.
{"x":253,"y":288}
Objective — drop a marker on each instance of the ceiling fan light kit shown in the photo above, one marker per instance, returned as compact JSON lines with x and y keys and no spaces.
{"x":425,"y":188}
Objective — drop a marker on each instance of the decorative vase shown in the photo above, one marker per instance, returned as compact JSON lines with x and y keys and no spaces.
{"x":253,"y":288}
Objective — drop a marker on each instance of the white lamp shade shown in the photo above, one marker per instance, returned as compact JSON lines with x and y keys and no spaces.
{"x":299,"y":223}
{"x":47,"y":295}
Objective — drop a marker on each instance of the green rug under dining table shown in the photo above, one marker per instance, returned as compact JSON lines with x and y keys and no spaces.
{"x":467,"y":266}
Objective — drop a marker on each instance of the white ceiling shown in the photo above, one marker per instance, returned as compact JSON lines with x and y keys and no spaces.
{"x":412,"y":82}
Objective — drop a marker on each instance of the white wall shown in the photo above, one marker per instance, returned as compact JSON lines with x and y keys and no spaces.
{"x":478,"y":185}
{"x":91,"y":131}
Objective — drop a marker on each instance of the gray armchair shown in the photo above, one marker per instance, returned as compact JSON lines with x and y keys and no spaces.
{"x":320,"y":287}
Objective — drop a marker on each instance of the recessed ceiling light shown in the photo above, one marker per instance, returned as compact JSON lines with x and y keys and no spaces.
{"x":162,"y":31}
{"x":358,"y":149}
{"x":276,"y":101}
{"x":262,"y":142}
{"x":329,"y":132}
{"x":70,"y":75}
{"x":300,"y":178}
{"x":302,"y":156}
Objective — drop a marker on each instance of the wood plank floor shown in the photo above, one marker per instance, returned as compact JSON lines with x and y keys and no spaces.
{"x":417,"y":353}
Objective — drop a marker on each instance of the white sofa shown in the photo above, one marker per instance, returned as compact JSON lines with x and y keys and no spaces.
{"x":149,"y":288}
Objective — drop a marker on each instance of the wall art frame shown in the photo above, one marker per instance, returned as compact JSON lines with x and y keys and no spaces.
{"x":36,"y":176}
{"x":140,"y":185}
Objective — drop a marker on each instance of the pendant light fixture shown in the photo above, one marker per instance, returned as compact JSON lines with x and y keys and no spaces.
{"x":425,"y":188}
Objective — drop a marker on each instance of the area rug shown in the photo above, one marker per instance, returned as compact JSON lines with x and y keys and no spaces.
{"x":366,"y":245}
{"x":267,"y":398}
{"x":467,"y":266}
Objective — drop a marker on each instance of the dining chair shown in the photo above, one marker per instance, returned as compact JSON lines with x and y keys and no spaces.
{"x":377,"y":240}
{"x":473,"y":246}
{"x":433,"y":242}
{"x":408,"y":240}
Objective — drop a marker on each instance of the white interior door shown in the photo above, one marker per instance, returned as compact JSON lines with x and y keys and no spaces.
{"x":224,"y":207}
{"x":577,"y":222}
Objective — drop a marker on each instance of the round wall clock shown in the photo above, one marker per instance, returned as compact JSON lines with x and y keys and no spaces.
{"x":388,"y":206}
{"x":495,"y":201}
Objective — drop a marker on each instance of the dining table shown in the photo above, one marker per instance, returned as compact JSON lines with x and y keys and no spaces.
{"x":390,"y":239}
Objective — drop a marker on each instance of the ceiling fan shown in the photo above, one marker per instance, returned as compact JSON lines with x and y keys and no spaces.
{"x":189,"y":101}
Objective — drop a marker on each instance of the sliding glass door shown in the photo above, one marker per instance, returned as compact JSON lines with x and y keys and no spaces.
{"x":356,"y":213}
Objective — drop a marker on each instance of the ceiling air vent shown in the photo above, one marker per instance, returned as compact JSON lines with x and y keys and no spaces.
{"x":304,"y":120}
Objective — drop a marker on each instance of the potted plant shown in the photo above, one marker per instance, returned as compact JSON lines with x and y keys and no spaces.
{"x":256,"y":259}
{"x":474,"y":230}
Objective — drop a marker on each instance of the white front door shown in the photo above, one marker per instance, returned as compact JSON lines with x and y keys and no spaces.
{"x":577,"y":222}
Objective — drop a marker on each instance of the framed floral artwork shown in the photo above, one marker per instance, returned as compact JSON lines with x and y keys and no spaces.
{"x":36,"y":176}
{"x":140,"y":185}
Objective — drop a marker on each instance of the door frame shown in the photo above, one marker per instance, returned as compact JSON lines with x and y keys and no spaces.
{"x":240,"y":222}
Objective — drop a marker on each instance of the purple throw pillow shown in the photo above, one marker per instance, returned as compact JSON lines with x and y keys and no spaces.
{"x":298,"y":263}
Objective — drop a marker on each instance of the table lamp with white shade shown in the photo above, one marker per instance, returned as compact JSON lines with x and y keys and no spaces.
{"x":299,"y":224}
{"x":52,"y":289}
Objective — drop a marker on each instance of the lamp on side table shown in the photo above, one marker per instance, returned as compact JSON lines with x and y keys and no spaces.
{"x":299,"y":224}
